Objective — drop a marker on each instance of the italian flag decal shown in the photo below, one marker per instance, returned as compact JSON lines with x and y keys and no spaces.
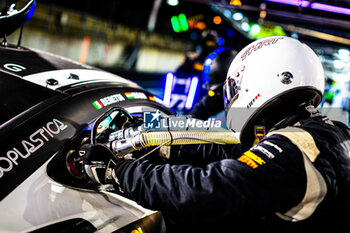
{"x":97,"y":104}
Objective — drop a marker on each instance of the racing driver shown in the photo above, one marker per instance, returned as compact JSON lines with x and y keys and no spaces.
{"x":291,"y":172}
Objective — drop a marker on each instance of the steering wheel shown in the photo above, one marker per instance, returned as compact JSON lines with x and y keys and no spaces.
{"x":118,"y":121}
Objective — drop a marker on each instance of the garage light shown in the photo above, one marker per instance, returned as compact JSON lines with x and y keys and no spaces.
{"x":183,"y":22}
{"x":175,"y":24}
{"x":168,"y":88}
{"x":173,"y":2}
{"x":245,"y":26}
{"x":255,"y":29}
{"x":237,"y":16}
{"x":191,"y":93}
{"x":292,"y":2}
{"x":315,"y":5}
{"x":330,"y":8}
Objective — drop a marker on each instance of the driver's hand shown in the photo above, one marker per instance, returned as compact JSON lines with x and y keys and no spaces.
{"x":98,"y":163}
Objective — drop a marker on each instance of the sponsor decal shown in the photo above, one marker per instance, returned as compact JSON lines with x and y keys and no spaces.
{"x":253,"y":100}
{"x":251,"y":159}
{"x":258,"y":46}
{"x":264,"y":151}
{"x":14,"y":67}
{"x":29,"y":145}
{"x":135,"y":95}
{"x":274,"y":146}
{"x":112,"y":99}
{"x":245,"y":159}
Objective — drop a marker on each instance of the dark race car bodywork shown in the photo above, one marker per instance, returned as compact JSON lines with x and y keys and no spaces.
{"x":46,"y":102}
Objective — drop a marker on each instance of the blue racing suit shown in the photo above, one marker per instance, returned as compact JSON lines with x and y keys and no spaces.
{"x":296,"y":179}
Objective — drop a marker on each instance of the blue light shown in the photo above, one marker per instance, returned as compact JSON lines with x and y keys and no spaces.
{"x":219,"y":50}
{"x":227,"y":13}
{"x":191,"y":93}
{"x":220,"y":41}
{"x":230,"y":32}
{"x":211,"y":56}
{"x":206,"y":68}
{"x":168,"y":88}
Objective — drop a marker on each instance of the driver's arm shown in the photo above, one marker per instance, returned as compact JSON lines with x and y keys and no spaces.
{"x":203,"y":154}
{"x":255,"y":184}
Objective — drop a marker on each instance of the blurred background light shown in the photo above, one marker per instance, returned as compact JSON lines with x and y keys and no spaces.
{"x":344,"y":55}
{"x":338,"y":64}
{"x":255,"y":29}
{"x":330,"y":8}
{"x":175,"y":24}
{"x":235,"y":2}
{"x":220,"y":41}
{"x":237,"y":16}
{"x":245,"y":26}
{"x":183,"y":22}
{"x":191,"y":93}
{"x":227,"y":13}
{"x":168,"y":88}
{"x":301,"y":3}
{"x":173,"y":2}
{"x":217,"y":19}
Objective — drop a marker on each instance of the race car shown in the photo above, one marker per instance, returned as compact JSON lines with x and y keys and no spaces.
{"x":49,"y":105}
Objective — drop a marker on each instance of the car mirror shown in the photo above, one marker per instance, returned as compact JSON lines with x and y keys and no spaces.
{"x":13,"y":16}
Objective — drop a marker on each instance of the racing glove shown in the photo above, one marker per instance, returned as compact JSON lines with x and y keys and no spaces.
{"x":99,"y":164}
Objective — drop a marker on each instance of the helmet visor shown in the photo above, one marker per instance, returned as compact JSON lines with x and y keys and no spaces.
{"x":231,"y":90}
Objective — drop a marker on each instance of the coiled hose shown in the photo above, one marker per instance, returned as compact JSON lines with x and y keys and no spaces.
{"x":187,"y":137}
{"x":148,"y":139}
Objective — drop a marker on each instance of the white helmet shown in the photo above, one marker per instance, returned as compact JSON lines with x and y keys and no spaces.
{"x":267,"y":81}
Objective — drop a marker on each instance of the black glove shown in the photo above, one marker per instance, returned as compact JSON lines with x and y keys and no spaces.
{"x":102,"y":166}
{"x":98,"y":163}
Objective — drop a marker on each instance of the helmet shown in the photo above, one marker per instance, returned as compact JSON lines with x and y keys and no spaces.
{"x":267,"y":81}
{"x":215,"y":67}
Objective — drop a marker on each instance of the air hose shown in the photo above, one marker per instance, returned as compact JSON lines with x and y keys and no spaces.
{"x":148,"y":139}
